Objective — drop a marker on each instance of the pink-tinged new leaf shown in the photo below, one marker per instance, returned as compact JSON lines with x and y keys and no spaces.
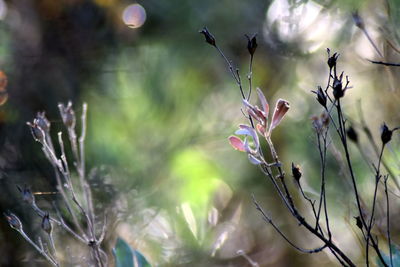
{"x":260,"y":129}
{"x":281,"y":107}
{"x":255,"y":112}
{"x":263,"y":101}
{"x":236,"y":143}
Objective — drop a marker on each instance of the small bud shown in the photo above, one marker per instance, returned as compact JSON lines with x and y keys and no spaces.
{"x":338,"y":91}
{"x":27,"y":195}
{"x":352,"y":134}
{"x":67,"y":115}
{"x":386,"y":134}
{"x":358,"y":222}
{"x":209,"y":37}
{"x":332,"y":59}
{"x":358,"y":20}
{"x":251,"y":44}
{"x":13,"y":221}
{"x":296,"y":172}
{"x":46,"y":224}
{"x":321,"y":96}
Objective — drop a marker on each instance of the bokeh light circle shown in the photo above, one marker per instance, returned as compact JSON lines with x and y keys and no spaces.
{"x":134,"y":16}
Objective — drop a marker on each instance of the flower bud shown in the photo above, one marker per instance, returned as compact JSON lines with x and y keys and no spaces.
{"x":386,"y":134}
{"x":27,"y":195}
{"x":67,"y":115}
{"x":296,"y":172}
{"x":251,"y":44}
{"x":209,"y":37}
{"x":46,"y":224}
{"x":352,"y":134}
{"x":13,"y":221}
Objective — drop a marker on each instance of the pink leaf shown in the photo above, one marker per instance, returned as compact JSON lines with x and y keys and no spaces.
{"x":236,"y":143}
{"x":255,"y":112}
{"x":281,"y":107}
{"x":263,"y":101}
{"x":260,"y":129}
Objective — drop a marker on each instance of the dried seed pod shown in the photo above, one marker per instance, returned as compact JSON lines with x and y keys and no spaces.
{"x":27,"y":195}
{"x":37,"y":132}
{"x":332,"y":60}
{"x":67,"y":115}
{"x":386,"y":134}
{"x":296,"y":172}
{"x":46,"y":224}
{"x":251,"y":43}
{"x":42,"y":122}
{"x":13,"y":221}
{"x":209,"y":37}
{"x":321,"y":96}
{"x":338,"y":91}
{"x":352,"y":134}
{"x":358,"y":222}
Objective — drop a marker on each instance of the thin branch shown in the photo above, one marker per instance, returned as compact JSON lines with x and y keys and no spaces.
{"x":40,"y":250}
{"x":388,"y":220}
{"x":269,"y":220}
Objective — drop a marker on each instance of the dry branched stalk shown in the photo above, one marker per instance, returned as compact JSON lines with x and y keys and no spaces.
{"x":81,"y":213}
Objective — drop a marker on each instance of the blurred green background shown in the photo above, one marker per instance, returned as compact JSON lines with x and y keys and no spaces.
{"x":162,"y":104}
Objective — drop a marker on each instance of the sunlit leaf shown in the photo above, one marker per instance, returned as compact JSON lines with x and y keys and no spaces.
{"x":189,"y":218}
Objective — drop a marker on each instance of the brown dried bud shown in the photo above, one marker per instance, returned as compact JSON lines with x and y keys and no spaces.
{"x":209,"y":37}
{"x":46,"y":224}
{"x":296,"y":172}
{"x":13,"y":221}
{"x":352,"y":134}
{"x":27,"y":195}
{"x":67,"y":115}
{"x":386,"y":134}
{"x":251,"y":43}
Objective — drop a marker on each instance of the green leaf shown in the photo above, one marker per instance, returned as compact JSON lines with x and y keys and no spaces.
{"x":140,"y":260}
{"x":125,"y":256}
{"x":395,"y":257}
